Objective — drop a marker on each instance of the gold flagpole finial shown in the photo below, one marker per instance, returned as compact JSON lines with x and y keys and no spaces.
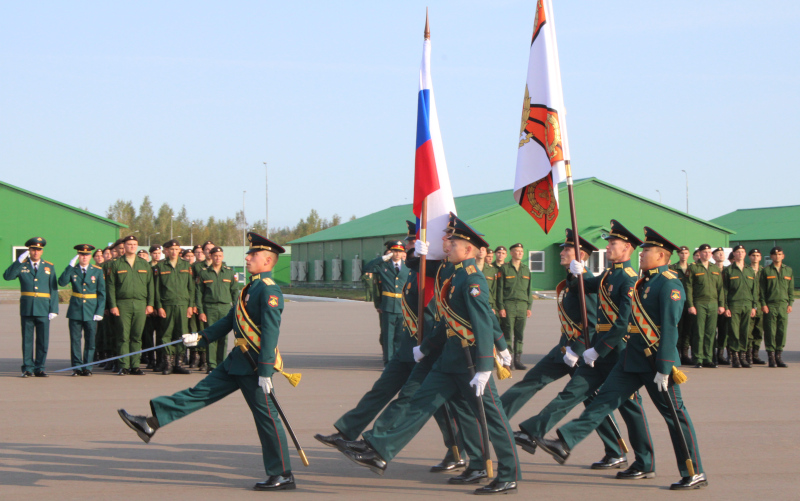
{"x":427,"y":28}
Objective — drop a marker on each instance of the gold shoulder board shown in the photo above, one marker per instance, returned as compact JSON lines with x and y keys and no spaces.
{"x":669,"y":274}
{"x":268,"y":281}
{"x":48,"y":262}
{"x":98,"y":267}
{"x":630,"y":272}
{"x":470,"y":269}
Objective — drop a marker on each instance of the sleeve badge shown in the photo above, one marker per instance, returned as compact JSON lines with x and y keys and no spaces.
{"x":630,"y":292}
{"x":475,"y":290}
{"x":273,"y":301}
{"x":675,"y":295}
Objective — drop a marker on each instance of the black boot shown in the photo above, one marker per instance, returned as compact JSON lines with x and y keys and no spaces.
{"x":756,"y":360}
{"x":518,"y":362}
{"x":145,"y":427}
{"x":721,"y":360}
{"x":110,"y":365}
{"x":778,"y":359}
{"x":166,"y":368}
{"x":201,"y":365}
{"x":178,"y":367}
{"x":735,"y":360}
{"x":771,"y":357}
{"x":743,"y":359}
{"x":748,"y":355}
{"x":193,"y":358}
{"x":685,"y":359}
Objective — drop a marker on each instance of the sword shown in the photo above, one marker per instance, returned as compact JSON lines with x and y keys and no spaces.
{"x":487,"y":455}
{"x":121,"y":356}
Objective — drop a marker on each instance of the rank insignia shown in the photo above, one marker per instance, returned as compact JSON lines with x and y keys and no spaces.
{"x":273,"y":301}
{"x":675,"y":295}
{"x":475,"y":290}
{"x":630,"y":292}
{"x":47,"y":270}
{"x":470,"y":269}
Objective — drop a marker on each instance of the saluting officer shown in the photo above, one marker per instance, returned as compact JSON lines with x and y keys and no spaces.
{"x":514,"y":301}
{"x":215,"y":292}
{"x":777,"y":296}
{"x":256,"y":320}
{"x":706,"y":299}
{"x":741,"y":303}
{"x":38,"y":303}
{"x":650,"y":360}
{"x":85,"y":306}
{"x":393,"y":275}
{"x":174,"y":300}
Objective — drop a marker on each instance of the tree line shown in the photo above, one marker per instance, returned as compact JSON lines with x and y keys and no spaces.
{"x":153,"y":227}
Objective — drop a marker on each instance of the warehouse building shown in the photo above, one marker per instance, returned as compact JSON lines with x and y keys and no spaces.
{"x":336,"y":256}
{"x":765,"y":228}
{"x":27,"y":214}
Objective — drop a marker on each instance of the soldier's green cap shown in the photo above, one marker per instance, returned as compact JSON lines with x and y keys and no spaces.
{"x":499,"y":248}
{"x":652,"y":238}
{"x":84,"y":248}
{"x":185,"y":252}
{"x":117,"y":243}
{"x":569,"y":241}
{"x":515,"y":246}
{"x":197,"y":247}
{"x":719,"y":249}
{"x":171,"y":243}
{"x":214,"y":250}
{"x":412,"y":230}
{"x":129,"y":238}
{"x":463,"y":231}
{"x":203,"y":245}
{"x":704,"y":247}
{"x":623,"y":233}
{"x":36,"y":243}
{"x":154,"y":248}
{"x":740,"y":246}
{"x":753,"y":251}
{"x":259,"y":243}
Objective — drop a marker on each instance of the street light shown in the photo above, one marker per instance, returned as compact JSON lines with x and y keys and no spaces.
{"x":687,"y":190}
{"x":191,"y":233}
{"x":170,"y":227}
{"x":659,"y":196}
{"x":266,"y":191}
{"x":152,"y":235}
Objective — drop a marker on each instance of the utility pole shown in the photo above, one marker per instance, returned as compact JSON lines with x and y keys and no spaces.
{"x":659,"y":196}
{"x":152,"y":235}
{"x":244,"y":237}
{"x":170,"y":227}
{"x":266,"y":192}
{"x":687,"y":190}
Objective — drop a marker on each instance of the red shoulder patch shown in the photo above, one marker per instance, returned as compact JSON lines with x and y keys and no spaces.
{"x":273,"y":301}
{"x":675,"y":295}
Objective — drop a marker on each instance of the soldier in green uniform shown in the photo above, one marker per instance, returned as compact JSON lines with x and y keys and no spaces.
{"x":756,"y":325}
{"x":366,"y":281}
{"x":38,"y":304}
{"x":489,"y":271}
{"x":650,"y":360}
{"x":706,"y":299}
{"x":255,"y":320}
{"x":129,"y":292}
{"x":777,"y":296}
{"x":99,"y":259}
{"x":215,"y":292}
{"x":722,"y":321}
{"x":153,"y":359}
{"x":741,"y":303}
{"x":85,"y":306}
{"x":392,"y":276}
{"x":112,"y":333}
{"x":174,"y":300}
{"x":500,"y":254}
{"x":685,"y":325}
{"x":514,"y":301}
{"x":466,"y":300}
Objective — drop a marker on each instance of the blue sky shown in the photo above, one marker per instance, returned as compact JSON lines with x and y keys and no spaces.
{"x":183,"y":101}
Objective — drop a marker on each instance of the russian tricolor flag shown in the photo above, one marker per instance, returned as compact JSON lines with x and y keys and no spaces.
{"x":430,"y":169}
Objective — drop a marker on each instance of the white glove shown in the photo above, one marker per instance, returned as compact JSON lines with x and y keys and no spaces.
{"x":266,"y":384}
{"x":505,"y":357}
{"x":387,"y":257}
{"x":421,"y":248}
{"x":74,"y":260}
{"x":576,"y":267}
{"x":570,"y":358}
{"x":479,"y":382}
{"x":97,"y":318}
{"x":589,"y":356}
{"x":23,"y":256}
{"x":661,"y":381}
{"x":190,"y":340}
{"x":51,"y":316}
{"x":418,"y":355}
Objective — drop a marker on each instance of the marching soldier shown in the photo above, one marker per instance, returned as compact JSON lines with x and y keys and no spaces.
{"x":741,"y":303}
{"x":685,"y":325}
{"x":85,"y":306}
{"x":215,"y":292}
{"x":757,"y":324}
{"x":777,"y":296}
{"x":38,"y":303}
{"x":174,"y":300}
{"x":129,"y":292}
{"x":392,"y":274}
{"x":650,"y":360}
{"x":255,"y":320}
{"x":706,"y":299}
{"x":514,"y":301}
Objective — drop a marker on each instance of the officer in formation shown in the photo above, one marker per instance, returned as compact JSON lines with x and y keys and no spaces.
{"x":741,"y":303}
{"x":38,"y":304}
{"x":776,"y":298}
{"x":392,"y":275}
{"x":86,"y":305}
{"x":514,"y":301}
{"x":706,"y":298}
{"x":215,"y":292}
{"x":651,"y":360}
{"x":255,"y":320}
{"x":174,"y":300}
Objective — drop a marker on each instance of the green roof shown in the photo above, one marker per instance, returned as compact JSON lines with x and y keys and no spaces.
{"x":470,"y":208}
{"x":62,"y":204}
{"x":765,"y":223}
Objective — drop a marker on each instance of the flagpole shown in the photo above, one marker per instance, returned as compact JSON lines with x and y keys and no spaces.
{"x":423,"y":230}
{"x":577,"y":244}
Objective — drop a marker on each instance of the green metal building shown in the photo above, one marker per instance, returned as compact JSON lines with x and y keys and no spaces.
{"x":765,"y":228}
{"x":26,"y":214}
{"x":334,"y":256}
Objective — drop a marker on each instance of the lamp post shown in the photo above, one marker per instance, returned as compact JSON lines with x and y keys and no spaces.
{"x":170,"y":227}
{"x":191,"y":233}
{"x":659,"y":196}
{"x":244,"y":234}
{"x":152,"y":235}
{"x":687,"y":190}
{"x":266,"y":192}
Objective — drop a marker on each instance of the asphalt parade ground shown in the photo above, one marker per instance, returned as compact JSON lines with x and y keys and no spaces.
{"x":61,"y":437}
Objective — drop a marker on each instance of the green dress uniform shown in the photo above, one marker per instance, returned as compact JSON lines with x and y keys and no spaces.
{"x":705,"y":293}
{"x":39,"y":298}
{"x":740,"y":298}
{"x":685,"y":326}
{"x":214,"y":294}
{"x":263,"y":302}
{"x":777,"y":294}
{"x":175,"y":293}
{"x":514,"y":296}
{"x":393,"y":278}
{"x":490,"y":272}
{"x":88,"y":299}
{"x":129,"y":288}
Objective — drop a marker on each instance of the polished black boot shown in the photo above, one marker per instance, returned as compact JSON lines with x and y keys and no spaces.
{"x":721,"y":360}
{"x":685,"y":358}
{"x":610,"y":463}
{"x":735,"y":361}
{"x":201,"y":364}
{"x":448,"y":464}
{"x":282,"y":482}
{"x":743,"y":359}
{"x":178,"y":368}
{"x":634,"y":474}
{"x":329,"y":440}
{"x":693,"y":482}
{"x":756,"y":360}
{"x":166,"y":368}
{"x":498,"y":487}
{"x":518,"y":363}
{"x":555,"y":447}
{"x":371,"y":459}
{"x":771,"y":358}
{"x":145,"y":427}
{"x":525,"y":441}
{"x":778,"y":360}
{"x":468,"y":476}
{"x":192,"y":358}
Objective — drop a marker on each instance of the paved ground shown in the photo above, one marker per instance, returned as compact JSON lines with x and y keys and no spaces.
{"x":61,"y":438}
